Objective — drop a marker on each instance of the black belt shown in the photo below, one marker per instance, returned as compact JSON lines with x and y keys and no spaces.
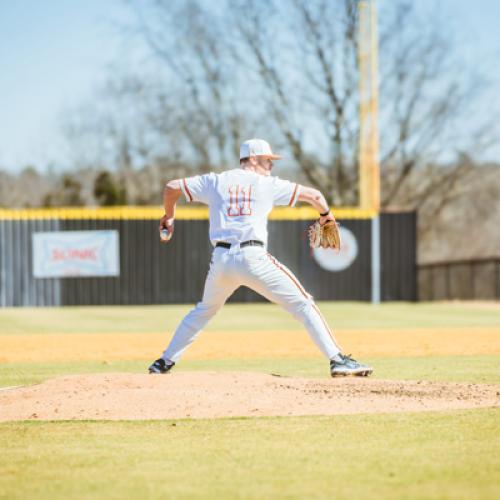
{"x":249,"y":243}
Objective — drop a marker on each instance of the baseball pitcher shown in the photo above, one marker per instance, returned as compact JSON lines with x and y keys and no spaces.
{"x":239,"y":202}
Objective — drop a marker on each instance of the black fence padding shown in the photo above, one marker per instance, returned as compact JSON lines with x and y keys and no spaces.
{"x":154,"y":273}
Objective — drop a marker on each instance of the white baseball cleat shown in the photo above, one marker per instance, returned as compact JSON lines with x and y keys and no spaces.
{"x":348,"y":366}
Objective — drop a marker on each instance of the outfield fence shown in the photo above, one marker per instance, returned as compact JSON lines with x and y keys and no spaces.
{"x":34,"y":247}
{"x":473,"y":279}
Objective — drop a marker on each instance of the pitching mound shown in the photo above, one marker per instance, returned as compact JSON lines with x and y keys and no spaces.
{"x":213,"y":394}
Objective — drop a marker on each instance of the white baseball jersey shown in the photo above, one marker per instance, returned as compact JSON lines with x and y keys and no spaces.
{"x":239,"y":202}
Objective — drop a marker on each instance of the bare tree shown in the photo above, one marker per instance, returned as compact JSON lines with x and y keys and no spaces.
{"x":24,"y":189}
{"x":191,"y":44}
{"x":126,"y":124}
{"x":422,"y":103}
{"x":288,"y":70}
{"x":307,"y":88}
{"x":305,"y":55}
{"x":462,"y":222}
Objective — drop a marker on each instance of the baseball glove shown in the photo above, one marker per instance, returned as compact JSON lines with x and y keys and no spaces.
{"x":325,"y":236}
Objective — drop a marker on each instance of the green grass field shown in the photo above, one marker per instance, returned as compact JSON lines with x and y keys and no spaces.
{"x":343,"y":315}
{"x":453,"y":454}
{"x":446,"y":455}
{"x":478,"y":369}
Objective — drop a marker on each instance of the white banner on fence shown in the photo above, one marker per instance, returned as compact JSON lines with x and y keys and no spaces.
{"x":64,"y":254}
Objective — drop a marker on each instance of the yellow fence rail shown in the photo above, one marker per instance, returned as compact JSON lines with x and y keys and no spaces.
{"x":155,"y":212}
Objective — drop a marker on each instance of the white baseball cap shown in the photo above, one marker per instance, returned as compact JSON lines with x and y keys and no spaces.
{"x":257,"y":147}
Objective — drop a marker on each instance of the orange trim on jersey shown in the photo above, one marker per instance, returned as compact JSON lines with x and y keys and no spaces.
{"x":293,"y":195}
{"x":235,"y":209}
{"x":281,"y":268}
{"x":247,"y":201}
{"x":315,"y":307}
{"x":187,"y":190}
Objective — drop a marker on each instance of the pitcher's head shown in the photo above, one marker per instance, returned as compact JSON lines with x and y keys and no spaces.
{"x":258,"y":155}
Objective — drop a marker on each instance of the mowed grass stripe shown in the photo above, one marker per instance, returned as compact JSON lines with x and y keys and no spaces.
{"x":431,"y":455}
{"x":235,"y":317}
{"x":478,"y":369}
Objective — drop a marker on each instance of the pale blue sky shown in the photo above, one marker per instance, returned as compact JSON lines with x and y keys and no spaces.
{"x":54,"y":53}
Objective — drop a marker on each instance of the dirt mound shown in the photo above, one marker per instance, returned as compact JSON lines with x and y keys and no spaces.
{"x":125,"y":396}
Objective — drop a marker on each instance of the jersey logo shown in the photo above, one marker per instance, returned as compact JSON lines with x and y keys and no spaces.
{"x":239,"y":200}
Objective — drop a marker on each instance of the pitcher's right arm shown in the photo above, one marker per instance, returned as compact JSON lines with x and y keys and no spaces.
{"x":171,"y":194}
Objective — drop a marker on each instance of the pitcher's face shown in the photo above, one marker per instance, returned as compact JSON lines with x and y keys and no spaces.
{"x":265,"y":163}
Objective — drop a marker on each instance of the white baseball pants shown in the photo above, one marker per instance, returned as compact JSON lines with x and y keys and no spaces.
{"x":253,"y":267}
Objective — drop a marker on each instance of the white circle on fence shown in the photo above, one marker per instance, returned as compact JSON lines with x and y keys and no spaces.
{"x":338,"y":260}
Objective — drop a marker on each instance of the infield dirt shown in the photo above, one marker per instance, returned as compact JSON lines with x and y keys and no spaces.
{"x":53,"y":347}
{"x":231,"y":394}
